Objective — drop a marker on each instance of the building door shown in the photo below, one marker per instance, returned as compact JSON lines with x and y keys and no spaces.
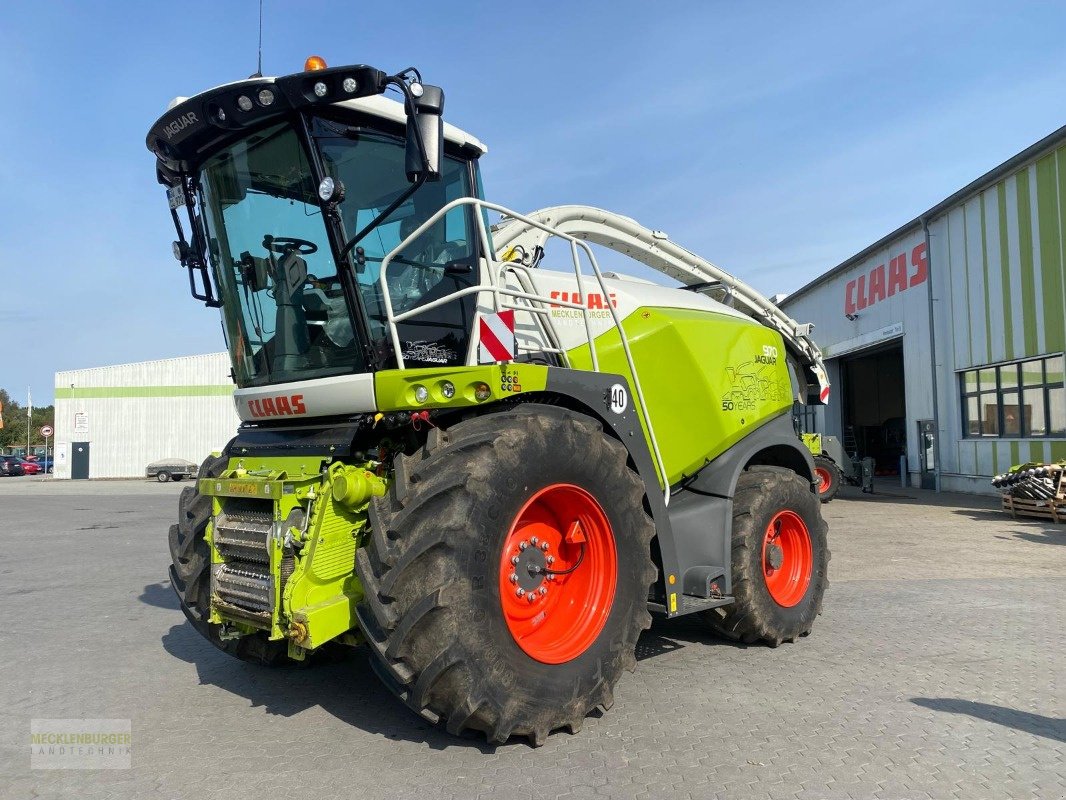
{"x":79,"y":460}
{"x":874,"y":411}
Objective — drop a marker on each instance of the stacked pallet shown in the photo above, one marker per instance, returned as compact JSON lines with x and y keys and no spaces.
{"x":1034,"y":490}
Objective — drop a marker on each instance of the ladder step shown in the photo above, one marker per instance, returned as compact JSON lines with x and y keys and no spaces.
{"x":686,"y":604}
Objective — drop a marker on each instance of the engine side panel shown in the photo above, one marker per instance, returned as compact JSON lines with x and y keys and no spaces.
{"x":708,"y":379}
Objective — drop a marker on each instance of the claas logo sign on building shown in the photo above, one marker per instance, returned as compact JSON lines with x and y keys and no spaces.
{"x":902,"y":273}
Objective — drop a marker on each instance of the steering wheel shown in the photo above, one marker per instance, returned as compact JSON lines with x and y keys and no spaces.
{"x":283,"y":245}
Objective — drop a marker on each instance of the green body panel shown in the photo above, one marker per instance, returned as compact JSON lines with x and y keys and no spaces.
{"x":813,"y":442}
{"x":708,"y":379}
{"x":316,"y":601}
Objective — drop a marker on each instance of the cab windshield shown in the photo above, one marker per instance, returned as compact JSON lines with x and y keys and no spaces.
{"x":284,"y":307}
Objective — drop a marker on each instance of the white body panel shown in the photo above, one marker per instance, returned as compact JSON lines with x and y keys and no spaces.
{"x":653,"y":248}
{"x":318,"y":397}
{"x":625,"y":294}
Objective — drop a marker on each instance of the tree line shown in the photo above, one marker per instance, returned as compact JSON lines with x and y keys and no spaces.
{"x":13,"y":434}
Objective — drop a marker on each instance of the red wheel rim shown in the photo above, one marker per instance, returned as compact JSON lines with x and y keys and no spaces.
{"x":787,"y":558}
{"x":568,"y":611}
{"x":825,"y":480}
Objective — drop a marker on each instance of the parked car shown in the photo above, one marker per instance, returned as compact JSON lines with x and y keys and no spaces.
{"x":44,"y":463}
{"x":30,"y":467}
{"x":171,"y":469}
{"x":10,"y":466}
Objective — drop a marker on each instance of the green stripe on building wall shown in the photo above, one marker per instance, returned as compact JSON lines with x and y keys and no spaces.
{"x":1036,"y":452}
{"x":1060,"y":164}
{"x":1014,"y":456}
{"x":965,"y":282}
{"x":1004,"y":267}
{"x":987,"y":292}
{"x":98,"y":392}
{"x":1028,"y":274}
{"x":1047,"y":198}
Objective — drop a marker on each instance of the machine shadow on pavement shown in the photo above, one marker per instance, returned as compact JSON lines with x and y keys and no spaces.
{"x":348,"y":688}
{"x":1035,"y":724}
{"x":159,"y":595}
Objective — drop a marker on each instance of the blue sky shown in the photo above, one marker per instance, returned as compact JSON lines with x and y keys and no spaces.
{"x":774,"y":139}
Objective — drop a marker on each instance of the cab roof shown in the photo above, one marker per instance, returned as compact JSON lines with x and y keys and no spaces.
{"x":192,"y":127}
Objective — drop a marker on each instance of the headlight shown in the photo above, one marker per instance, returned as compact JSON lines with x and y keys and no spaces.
{"x":244,"y":103}
{"x":266,"y":97}
{"x":320,"y":89}
{"x":350,"y":85}
{"x":421,"y":393}
{"x":326,"y":189}
{"x":447,"y":388}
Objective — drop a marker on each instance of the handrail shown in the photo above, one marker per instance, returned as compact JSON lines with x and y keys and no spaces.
{"x":490,"y":280}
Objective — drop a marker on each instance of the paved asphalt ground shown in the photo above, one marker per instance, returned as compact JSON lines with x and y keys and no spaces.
{"x":935,"y":671}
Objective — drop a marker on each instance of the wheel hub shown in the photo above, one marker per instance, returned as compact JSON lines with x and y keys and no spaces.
{"x":825,"y":480}
{"x":788,"y":558}
{"x":558,"y":573}
{"x":528,"y":572}
{"x":775,"y":556}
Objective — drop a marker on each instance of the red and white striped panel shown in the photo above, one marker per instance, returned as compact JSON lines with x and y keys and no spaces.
{"x":497,"y":338}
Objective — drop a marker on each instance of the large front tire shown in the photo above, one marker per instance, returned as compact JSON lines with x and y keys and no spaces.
{"x":780,"y":559}
{"x":443,"y":613}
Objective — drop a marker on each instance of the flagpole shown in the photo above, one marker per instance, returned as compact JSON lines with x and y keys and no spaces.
{"x":29,"y":419}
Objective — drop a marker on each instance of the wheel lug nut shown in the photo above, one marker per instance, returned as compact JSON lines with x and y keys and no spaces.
{"x":520,"y":591}
{"x":523,"y":545}
{"x":550,"y":560}
{"x":532,"y":597}
{"x":514,"y":578}
{"x":551,"y":577}
{"x":514,"y":559}
{"x":544,"y":546}
{"x":543,"y":589}
{"x":534,"y":541}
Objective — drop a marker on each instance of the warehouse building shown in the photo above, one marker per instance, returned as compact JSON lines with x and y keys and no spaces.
{"x":944,"y":340}
{"x":111,"y":422}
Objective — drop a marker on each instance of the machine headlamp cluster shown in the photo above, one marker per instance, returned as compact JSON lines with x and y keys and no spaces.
{"x":443,"y":391}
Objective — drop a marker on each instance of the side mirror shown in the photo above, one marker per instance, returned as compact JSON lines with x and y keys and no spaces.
{"x":427,"y":123}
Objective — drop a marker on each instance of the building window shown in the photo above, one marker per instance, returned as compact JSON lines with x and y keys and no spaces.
{"x":1022,"y":400}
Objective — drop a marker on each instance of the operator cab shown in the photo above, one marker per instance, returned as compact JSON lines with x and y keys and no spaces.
{"x":288,"y":193}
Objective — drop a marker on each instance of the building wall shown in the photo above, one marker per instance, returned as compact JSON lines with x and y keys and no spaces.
{"x":887,"y":294}
{"x":998,"y":277}
{"x":139,"y":413}
{"x":996,"y":274}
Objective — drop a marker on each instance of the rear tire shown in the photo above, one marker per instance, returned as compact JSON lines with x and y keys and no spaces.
{"x":162,"y":476}
{"x":439,"y":613}
{"x":774,"y":506}
{"x":191,"y":579}
{"x":829,"y":477}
